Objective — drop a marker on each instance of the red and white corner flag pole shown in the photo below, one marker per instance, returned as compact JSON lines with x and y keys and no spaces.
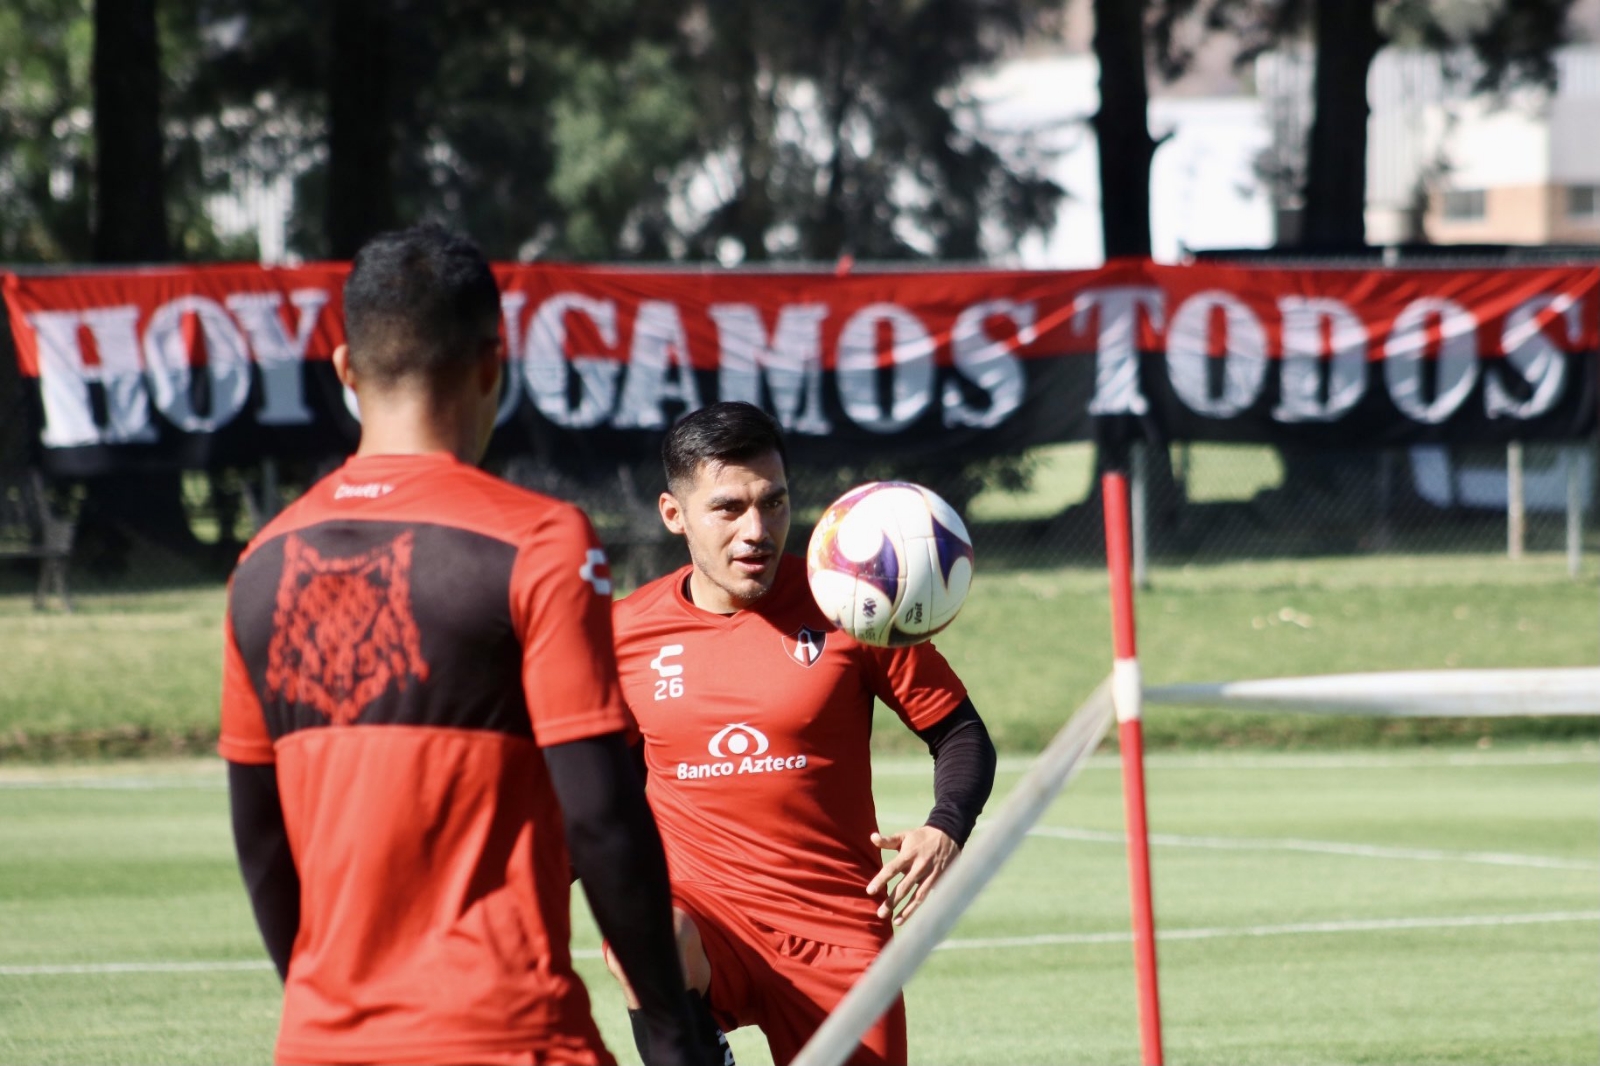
{"x":1127,"y":697}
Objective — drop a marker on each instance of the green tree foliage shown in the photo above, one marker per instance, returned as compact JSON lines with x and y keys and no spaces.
{"x":536,"y":127}
{"x":833,"y":127}
{"x":45,"y":143}
{"x":578,"y":129}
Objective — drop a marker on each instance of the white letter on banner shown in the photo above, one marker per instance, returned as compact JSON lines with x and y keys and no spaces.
{"x":544,"y":364}
{"x":911,"y":355}
{"x":1244,"y":366}
{"x":281,"y":359}
{"x":988,"y":362}
{"x":659,"y":347}
{"x":1531,"y":354}
{"x":1457,"y":363}
{"x":1116,"y":358}
{"x":1300,"y":374}
{"x":64,"y":377}
{"x":790,"y":362}
{"x":166,"y":359}
{"x":511,"y":304}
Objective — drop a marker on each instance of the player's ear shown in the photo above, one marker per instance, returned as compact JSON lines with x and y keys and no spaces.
{"x":489,"y":367}
{"x":342,"y":368}
{"x":671,"y":513}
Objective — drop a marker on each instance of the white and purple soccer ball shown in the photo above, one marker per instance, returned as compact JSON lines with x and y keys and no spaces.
{"x":890,"y":563}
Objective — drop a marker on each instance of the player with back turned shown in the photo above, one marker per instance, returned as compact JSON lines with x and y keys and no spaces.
{"x":755,"y":715}
{"x":422,"y":720}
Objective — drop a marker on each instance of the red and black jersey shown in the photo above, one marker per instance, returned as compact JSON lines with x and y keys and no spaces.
{"x":757,"y":729}
{"x":400,"y":644}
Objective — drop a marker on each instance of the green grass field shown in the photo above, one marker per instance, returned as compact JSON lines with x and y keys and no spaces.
{"x":1328,"y":889}
{"x":139,"y":673}
{"x":1357,"y":907}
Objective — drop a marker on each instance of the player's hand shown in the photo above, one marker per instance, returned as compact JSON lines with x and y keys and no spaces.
{"x":922,"y":855}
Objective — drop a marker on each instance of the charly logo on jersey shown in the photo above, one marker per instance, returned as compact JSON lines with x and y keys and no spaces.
{"x":805,"y":645}
{"x":739,"y":748}
{"x":596,"y":571}
{"x":372,"y":490}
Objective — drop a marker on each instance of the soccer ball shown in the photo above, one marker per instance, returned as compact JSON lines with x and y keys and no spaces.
{"x":890,"y":563}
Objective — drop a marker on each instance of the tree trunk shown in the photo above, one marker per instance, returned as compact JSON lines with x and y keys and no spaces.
{"x":1336,"y":162}
{"x":130,"y":210}
{"x":1122,"y":129}
{"x":361,"y":199}
{"x":752,"y":125}
{"x":130,"y":226}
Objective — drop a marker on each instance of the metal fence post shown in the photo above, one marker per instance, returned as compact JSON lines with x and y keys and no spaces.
{"x":1516,"y":512}
{"x":1137,"y":516}
{"x":1573,"y":460}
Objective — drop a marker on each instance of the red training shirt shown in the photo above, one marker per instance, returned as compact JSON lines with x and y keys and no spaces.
{"x":756,"y":730}
{"x":400,"y":643}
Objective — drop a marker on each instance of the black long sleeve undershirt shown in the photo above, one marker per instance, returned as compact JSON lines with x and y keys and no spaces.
{"x":616,"y":853}
{"x":262,"y":843}
{"x":963,"y":770}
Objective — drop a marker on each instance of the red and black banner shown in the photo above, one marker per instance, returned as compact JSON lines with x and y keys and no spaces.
{"x":220,"y":365}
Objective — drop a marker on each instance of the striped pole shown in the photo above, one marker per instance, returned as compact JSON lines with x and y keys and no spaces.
{"x":840,"y":1033}
{"x":1126,"y":696}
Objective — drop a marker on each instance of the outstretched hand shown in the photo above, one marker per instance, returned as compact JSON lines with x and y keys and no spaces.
{"x":922,"y":855}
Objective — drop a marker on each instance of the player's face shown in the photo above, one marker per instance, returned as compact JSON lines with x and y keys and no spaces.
{"x":735,"y":519}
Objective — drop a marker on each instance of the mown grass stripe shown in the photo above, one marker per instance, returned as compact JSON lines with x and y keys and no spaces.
{"x":1358,"y":925}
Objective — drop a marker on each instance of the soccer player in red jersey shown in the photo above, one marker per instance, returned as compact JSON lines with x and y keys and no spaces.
{"x":755,"y":714}
{"x":422,"y":722}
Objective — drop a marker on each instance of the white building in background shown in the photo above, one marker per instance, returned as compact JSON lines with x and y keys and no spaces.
{"x":1203,"y":189}
{"x":1443,"y":164}
{"x":1450,"y":166}
{"x":1525,"y":173}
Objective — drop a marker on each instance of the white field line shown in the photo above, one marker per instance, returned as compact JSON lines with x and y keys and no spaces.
{"x":98,"y":968}
{"x":1315,"y":847}
{"x":117,"y":784}
{"x":1356,"y":925}
{"x":912,"y":766}
{"x":208,"y":779}
{"x":1323,"y":847}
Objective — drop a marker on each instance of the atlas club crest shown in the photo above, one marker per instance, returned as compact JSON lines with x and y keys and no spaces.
{"x":805,"y":645}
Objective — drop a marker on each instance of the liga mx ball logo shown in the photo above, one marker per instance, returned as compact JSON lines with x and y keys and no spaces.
{"x":738,"y":740}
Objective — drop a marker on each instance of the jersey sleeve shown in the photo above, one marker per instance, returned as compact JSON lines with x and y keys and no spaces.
{"x":916,"y":682}
{"x":561,"y":606}
{"x":244,"y":728}
{"x":621,"y":611}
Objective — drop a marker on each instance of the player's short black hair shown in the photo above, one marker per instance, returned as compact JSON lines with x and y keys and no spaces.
{"x":728,"y":431}
{"x":418,"y":304}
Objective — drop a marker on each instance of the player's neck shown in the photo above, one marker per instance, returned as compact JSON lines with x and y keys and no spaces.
{"x":711,"y":597}
{"x":412,"y":425}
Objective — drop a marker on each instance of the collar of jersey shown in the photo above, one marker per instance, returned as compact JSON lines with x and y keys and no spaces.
{"x":401,"y":459}
{"x":728,"y":621}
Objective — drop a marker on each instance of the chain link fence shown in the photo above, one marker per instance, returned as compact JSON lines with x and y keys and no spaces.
{"x":1195,"y":505}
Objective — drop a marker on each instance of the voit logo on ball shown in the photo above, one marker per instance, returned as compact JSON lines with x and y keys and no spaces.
{"x":739,"y":748}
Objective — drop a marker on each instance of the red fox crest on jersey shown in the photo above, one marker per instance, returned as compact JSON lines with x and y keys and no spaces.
{"x":343,"y":629}
{"x":805,"y":644}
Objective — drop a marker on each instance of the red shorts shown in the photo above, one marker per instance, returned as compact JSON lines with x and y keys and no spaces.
{"x":786,"y":985}
{"x":562,"y":1051}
